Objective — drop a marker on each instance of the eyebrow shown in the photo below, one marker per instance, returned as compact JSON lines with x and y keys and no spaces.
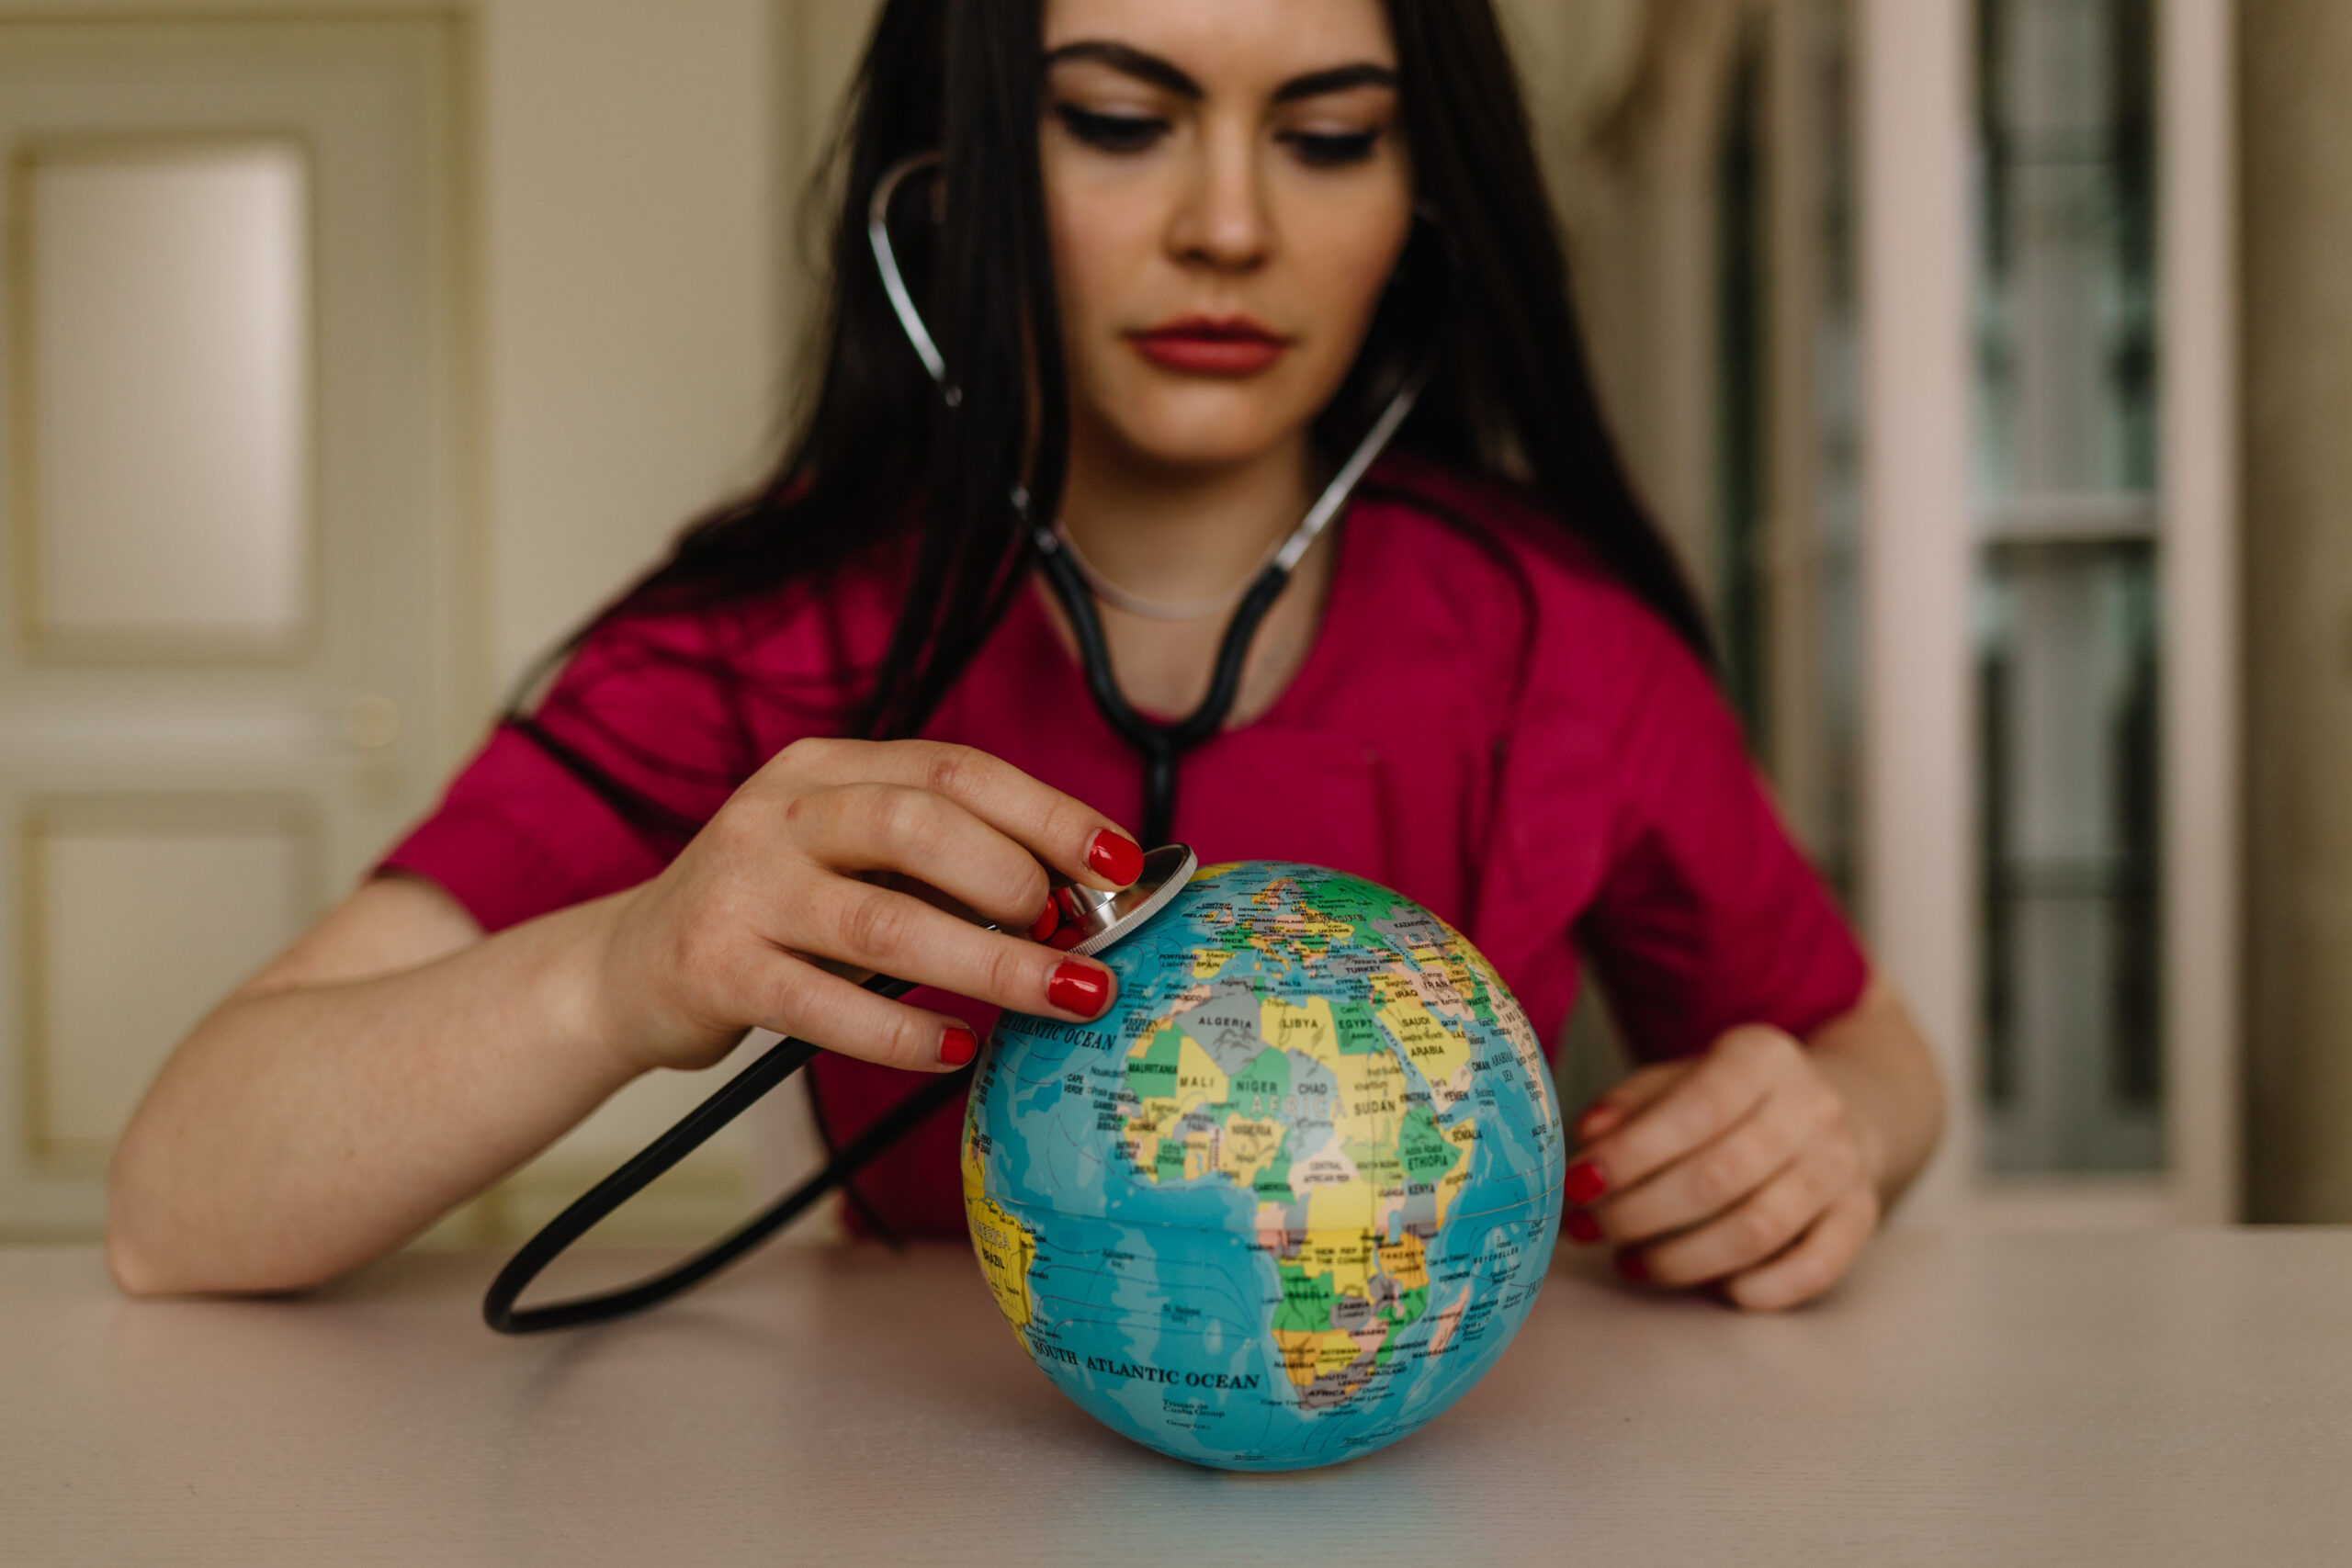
{"x":1339,"y":79}
{"x":1151,"y":68}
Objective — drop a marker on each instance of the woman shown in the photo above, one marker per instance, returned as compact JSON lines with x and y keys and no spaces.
{"x":1178,"y":256}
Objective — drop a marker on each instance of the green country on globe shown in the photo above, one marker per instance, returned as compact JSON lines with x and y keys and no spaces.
{"x":1292,"y":1196}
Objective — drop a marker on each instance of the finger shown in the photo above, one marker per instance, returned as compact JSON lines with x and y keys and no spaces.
{"x":915,"y":887}
{"x":1038,"y":929}
{"x":1714,"y":1178}
{"x":830,"y":1011}
{"x":1817,"y":1262}
{"x":1719,"y":1090}
{"x":876,"y":929}
{"x":1763,"y":1223}
{"x":1610,"y":1109}
{"x":926,"y":838}
{"x":1065,"y":833}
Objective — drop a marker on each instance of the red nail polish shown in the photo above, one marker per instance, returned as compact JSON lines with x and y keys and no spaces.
{"x":1582,"y":1228}
{"x":1585,"y":1181}
{"x":1115,"y":857}
{"x":1079,"y":987}
{"x":1066,"y":938}
{"x":1043,"y":926}
{"x":957,"y":1044}
{"x":1634,"y":1266}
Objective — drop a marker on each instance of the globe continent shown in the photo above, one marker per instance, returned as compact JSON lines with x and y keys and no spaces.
{"x":1292,"y":1196}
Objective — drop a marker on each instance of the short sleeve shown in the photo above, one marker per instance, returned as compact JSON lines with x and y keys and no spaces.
{"x":641,"y":738}
{"x":1706,"y":915}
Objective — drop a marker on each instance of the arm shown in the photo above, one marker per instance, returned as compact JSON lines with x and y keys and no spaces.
{"x":1762,"y":1166}
{"x":394,"y":1062}
{"x":386,"y":1067}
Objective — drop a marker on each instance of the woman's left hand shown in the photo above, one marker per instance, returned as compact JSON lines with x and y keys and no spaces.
{"x":1746,"y":1168}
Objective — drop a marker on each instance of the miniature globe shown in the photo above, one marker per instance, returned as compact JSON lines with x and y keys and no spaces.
{"x":1292,"y":1196}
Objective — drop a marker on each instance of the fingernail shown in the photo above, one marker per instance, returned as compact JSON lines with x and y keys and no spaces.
{"x":1043,"y":926}
{"x":1585,"y":1181}
{"x":1115,"y":857}
{"x":1582,"y":1228}
{"x":1634,"y":1266}
{"x":1066,"y":938}
{"x":1081,"y":989}
{"x":957,"y":1044}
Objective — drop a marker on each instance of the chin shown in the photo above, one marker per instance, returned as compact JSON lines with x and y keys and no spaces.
{"x":1206,"y":426}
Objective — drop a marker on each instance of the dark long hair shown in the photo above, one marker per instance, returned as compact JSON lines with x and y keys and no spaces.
{"x":881,"y":455}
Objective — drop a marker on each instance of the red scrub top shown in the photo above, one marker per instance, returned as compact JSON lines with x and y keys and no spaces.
{"x":1488,"y":722}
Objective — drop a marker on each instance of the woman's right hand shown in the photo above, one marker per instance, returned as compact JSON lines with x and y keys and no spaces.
{"x":785,"y":893}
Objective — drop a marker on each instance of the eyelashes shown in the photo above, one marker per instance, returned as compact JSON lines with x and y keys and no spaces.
{"x":1127,"y":134}
{"x":1331,"y":150}
{"x":1112,"y":132}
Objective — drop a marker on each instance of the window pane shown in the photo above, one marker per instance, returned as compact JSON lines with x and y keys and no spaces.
{"x":169,"y":320}
{"x":2068,"y":669}
{"x":2068,"y":332}
{"x":2067,"y":645}
{"x":1836,"y":547}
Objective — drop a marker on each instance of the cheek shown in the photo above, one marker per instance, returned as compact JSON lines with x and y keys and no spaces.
{"x":1344,"y":261}
{"x":1103,"y":239}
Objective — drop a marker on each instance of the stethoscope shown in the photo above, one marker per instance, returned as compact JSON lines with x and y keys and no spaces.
{"x":1077,"y":586}
{"x":1099,"y":920}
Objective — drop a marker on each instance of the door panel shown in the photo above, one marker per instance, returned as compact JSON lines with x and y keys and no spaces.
{"x":164,"y":291}
{"x":137,"y":908}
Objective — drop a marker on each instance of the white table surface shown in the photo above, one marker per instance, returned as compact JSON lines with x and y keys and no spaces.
{"x":2148,"y":1398}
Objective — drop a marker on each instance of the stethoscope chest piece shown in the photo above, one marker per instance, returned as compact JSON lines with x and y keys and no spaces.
{"x":1101,"y":919}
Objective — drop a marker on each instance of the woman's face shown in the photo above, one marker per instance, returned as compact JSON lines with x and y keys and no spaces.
{"x":1227,"y":189}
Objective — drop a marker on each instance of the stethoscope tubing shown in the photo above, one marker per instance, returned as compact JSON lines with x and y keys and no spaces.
{"x":697,"y":1127}
{"x":1161,"y":748}
{"x":1161,"y":745}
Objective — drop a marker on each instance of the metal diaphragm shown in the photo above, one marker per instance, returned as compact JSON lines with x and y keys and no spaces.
{"x":1101,"y":919}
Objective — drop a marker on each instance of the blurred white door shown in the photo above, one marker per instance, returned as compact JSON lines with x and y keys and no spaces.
{"x":228,"y":649}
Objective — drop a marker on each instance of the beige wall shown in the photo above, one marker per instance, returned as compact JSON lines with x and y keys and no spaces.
{"x":2297,"y":171}
{"x":628,"y":166}
{"x":641,"y":167}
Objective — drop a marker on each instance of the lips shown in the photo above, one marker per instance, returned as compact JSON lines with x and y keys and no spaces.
{"x":1202,"y":345}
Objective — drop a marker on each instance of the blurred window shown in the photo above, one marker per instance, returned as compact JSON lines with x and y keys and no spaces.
{"x":2066,"y":632}
{"x":1787,"y":417}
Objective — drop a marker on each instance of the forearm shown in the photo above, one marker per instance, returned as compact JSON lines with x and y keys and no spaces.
{"x":1880,"y":1063}
{"x":304,"y":1129}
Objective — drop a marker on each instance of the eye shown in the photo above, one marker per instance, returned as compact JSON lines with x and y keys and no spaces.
{"x":1111,"y":132}
{"x":1331,"y":150}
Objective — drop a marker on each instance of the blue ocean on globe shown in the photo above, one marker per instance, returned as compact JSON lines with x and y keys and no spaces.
{"x":1292,"y":1196}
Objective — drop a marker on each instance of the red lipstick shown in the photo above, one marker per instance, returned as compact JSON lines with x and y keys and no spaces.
{"x":1210,"y":345}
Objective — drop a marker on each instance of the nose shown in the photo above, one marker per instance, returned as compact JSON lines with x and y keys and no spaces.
{"x":1222,"y":222}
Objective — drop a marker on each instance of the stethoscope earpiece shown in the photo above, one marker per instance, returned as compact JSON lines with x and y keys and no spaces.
{"x":894,"y":282}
